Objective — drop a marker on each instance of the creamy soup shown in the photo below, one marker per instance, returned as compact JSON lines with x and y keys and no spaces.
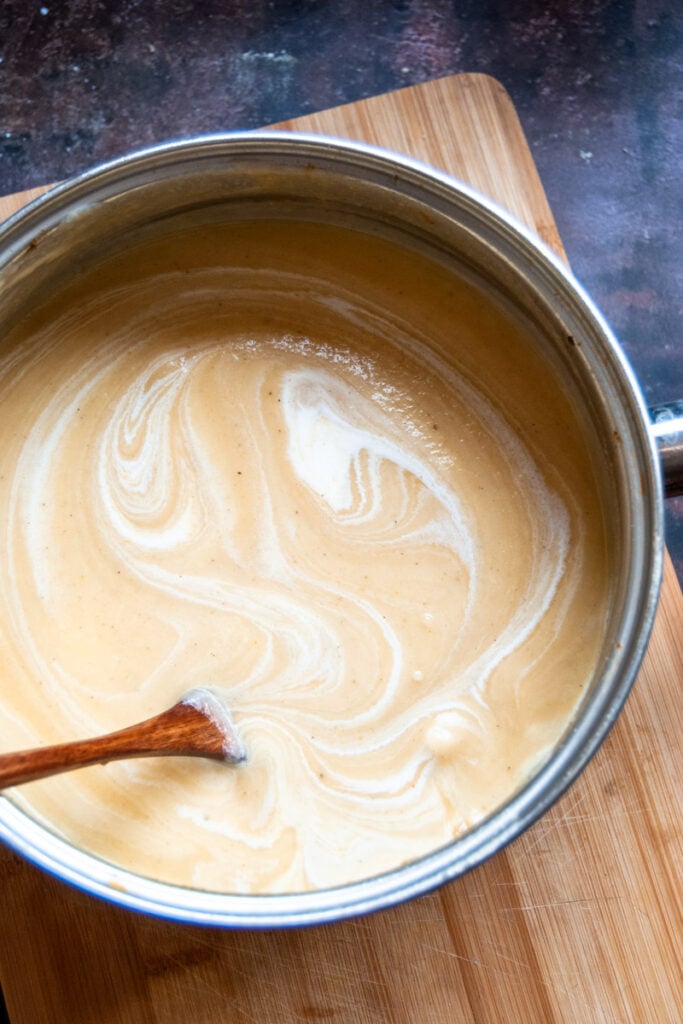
{"x":322,"y":476}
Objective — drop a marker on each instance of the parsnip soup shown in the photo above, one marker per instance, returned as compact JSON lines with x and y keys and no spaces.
{"x":318,"y":473}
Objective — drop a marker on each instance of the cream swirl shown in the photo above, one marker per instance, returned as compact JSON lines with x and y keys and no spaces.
{"x":253,"y":477}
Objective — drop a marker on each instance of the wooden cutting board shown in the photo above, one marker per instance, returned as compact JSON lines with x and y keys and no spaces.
{"x":577,"y":921}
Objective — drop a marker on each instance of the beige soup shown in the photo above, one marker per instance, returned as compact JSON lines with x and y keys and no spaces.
{"x":317,"y":473}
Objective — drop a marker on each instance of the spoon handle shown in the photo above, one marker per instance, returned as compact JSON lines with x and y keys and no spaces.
{"x":179,"y":731}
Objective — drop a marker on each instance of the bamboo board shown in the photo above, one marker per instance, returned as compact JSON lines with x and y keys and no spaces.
{"x":578,"y":921}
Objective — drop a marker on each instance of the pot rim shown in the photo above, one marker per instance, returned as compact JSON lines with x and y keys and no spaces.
{"x":597,"y":713}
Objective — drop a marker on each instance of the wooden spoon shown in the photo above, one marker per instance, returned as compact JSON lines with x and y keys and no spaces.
{"x":199,"y":725}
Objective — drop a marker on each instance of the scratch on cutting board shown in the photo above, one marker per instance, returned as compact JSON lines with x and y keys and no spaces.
{"x":555,"y":985}
{"x":287,"y":962}
{"x":585,"y":900}
{"x":202,"y":986}
{"x":510,"y":959}
{"x":546,"y":826}
{"x":472,"y":961}
{"x":584,"y":903}
{"x":626,"y":812}
{"x":559,"y":819}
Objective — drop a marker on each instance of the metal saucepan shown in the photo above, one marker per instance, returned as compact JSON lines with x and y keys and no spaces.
{"x":279,"y":174}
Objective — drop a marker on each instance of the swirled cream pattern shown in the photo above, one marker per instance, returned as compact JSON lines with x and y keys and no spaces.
{"x":248,"y":470}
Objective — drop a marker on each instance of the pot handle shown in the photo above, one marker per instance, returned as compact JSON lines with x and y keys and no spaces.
{"x":667,"y":430}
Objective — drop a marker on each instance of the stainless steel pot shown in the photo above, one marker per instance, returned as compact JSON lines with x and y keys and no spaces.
{"x":277,"y":174}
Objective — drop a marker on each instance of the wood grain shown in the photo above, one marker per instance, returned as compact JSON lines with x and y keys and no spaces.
{"x":579,"y":920}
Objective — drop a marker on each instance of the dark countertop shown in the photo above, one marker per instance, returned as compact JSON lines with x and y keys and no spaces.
{"x":597,"y":85}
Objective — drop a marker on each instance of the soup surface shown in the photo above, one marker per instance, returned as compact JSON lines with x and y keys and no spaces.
{"x":319,"y":474}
